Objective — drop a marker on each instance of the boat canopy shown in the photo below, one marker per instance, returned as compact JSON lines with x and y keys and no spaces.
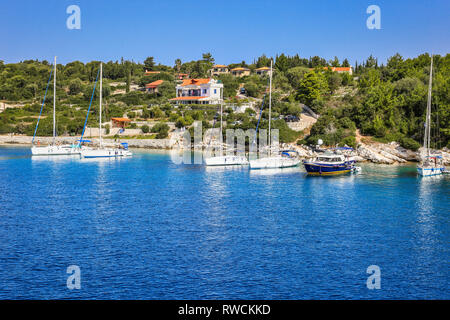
{"x":288,"y":153}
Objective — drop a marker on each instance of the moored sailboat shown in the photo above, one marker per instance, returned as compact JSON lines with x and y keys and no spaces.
{"x":229,"y":159}
{"x":283,"y":159}
{"x":430,"y":165}
{"x":53,"y":149}
{"x":101,"y":151}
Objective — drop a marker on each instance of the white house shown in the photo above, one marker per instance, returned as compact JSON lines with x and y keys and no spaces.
{"x":199,"y":91}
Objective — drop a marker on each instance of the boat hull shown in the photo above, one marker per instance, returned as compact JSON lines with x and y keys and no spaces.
{"x":55,"y":150}
{"x":430,"y":171}
{"x":226,"y":161}
{"x":313,"y":168}
{"x":105,"y":153}
{"x":273,"y":162}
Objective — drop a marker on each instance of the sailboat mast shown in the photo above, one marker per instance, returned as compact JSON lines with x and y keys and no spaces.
{"x":221,"y":125}
{"x":430,"y":86}
{"x":100,"y":116}
{"x":428,"y":116}
{"x":54,"y":101}
{"x":270,"y":104}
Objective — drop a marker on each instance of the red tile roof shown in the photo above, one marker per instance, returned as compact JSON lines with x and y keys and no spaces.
{"x":121,"y":119}
{"x":341,"y":69}
{"x":188,"y":82}
{"x":336,"y":68}
{"x":154,"y":84}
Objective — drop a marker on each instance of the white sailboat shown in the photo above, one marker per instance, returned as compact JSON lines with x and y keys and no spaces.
{"x":54,"y":149}
{"x":430,"y":165}
{"x":282,"y":160}
{"x":225,"y":160}
{"x":102,"y":151}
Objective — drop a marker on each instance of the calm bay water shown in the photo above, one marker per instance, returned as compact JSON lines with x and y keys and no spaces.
{"x":146,"y":228}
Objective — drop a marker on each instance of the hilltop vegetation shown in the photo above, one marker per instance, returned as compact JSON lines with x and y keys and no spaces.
{"x":386,"y":102}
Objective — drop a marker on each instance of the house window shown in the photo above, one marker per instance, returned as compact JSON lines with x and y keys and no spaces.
{"x":204,"y":91}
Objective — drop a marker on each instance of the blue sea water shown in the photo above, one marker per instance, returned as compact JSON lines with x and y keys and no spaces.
{"x":147,"y":228}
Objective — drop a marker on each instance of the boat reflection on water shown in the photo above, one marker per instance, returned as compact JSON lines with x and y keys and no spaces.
{"x":274,"y":171}
{"x":225,"y":168}
{"x":103,"y":159}
{"x":56,"y":158}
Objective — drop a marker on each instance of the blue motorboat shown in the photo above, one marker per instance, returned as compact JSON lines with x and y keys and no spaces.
{"x":330,"y":163}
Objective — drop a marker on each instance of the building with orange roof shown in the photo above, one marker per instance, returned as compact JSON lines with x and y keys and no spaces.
{"x":120,"y":122}
{"x":218,"y":69}
{"x":153,"y":86}
{"x":199,"y":91}
{"x":348,"y":70}
{"x":240,"y":72}
{"x":342,"y":69}
{"x":262,"y":71}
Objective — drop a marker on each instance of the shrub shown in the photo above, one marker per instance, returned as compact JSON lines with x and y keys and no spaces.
{"x":145,"y":128}
{"x":180,"y":123}
{"x":162,"y":130}
{"x":349,"y":141}
{"x":409,"y":143}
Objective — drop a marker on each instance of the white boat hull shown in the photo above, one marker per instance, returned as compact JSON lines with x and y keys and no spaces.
{"x":430,"y":171}
{"x":105,"y":153}
{"x":226,"y":161}
{"x":55,"y":150}
{"x":274,"y":162}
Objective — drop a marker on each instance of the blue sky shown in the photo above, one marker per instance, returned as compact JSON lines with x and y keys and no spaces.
{"x":232,"y":30}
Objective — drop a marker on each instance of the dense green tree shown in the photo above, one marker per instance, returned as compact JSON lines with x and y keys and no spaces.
{"x":281,"y":63}
{"x":207,"y":57}
{"x":75,"y":86}
{"x":311,"y":87}
{"x":295,"y":75}
{"x":149,"y":63}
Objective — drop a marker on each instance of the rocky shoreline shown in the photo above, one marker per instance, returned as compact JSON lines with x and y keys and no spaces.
{"x":376,"y":152}
{"x":382,"y":153}
{"x":132,"y":143}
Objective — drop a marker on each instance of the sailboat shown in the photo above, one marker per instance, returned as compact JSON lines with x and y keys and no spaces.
{"x":53,"y":149}
{"x":102,"y":151}
{"x":226,"y":160}
{"x":284,"y":159}
{"x":430,"y":165}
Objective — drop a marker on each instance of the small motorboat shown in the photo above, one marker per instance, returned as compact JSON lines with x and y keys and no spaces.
{"x":330,"y":163}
